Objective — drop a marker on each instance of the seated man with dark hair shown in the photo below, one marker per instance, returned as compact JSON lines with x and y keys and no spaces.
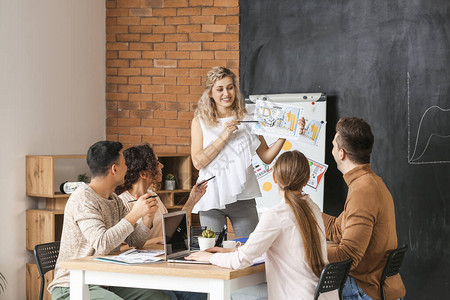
{"x":96,"y":223}
{"x":365,"y":230}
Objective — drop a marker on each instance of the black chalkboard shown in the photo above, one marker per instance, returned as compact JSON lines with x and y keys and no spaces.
{"x":387,"y":61}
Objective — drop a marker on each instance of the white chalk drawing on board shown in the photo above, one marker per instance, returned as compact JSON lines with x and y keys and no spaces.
{"x":415,"y":158}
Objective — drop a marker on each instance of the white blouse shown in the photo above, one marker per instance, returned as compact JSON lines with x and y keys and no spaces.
{"x":235,"y":179}
{"x":277,"y":237}
{"x":156,"y":230}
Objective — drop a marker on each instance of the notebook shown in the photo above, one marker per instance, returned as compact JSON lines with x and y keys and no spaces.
{"x":176,"y":237}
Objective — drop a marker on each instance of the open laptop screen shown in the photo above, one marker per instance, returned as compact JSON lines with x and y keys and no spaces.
{"x":176,"y":233}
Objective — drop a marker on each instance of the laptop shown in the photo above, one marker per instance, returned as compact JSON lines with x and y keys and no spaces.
{"x":176,"y":238}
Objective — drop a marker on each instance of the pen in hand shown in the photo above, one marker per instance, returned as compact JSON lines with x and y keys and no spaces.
{"x":154,"y":196}
{"x":206,"y":180}
{"x":248,"y":121}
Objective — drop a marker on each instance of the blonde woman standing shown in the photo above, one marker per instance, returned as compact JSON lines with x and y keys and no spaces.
{"x":221,"y":146}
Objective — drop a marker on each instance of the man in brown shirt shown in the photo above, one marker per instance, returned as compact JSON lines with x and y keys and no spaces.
{"x":365,"y":230}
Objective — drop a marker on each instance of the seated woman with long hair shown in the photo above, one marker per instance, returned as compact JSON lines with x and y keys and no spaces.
{"x":290,"y":235}
{"x":144,"y":175}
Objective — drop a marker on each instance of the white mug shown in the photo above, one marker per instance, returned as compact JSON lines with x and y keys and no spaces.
{"x":230,"y":244}
{"x":206,"y":243}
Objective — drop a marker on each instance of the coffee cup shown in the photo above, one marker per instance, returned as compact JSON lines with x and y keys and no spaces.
{"x":230,"y":244}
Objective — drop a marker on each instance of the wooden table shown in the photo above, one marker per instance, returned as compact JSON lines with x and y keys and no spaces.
{"x":218,"y":282}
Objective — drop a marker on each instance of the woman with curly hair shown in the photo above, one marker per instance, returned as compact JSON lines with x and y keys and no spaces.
{"x":222,"y":146}
{"x":144,"y":175}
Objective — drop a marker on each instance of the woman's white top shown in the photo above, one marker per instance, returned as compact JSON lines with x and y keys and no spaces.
{"x":156,"y":230}
{"x":235,"y":179}
{"x":278,"y":237}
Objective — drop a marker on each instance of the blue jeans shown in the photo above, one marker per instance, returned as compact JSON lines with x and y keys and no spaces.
{"x":352,"y":291}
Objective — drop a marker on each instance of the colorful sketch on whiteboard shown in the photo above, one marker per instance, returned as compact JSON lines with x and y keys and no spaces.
{"x":317,"y":171}
{"x":261,"y":169}
{"x":277,"y":119}
{"x":313,"y":129}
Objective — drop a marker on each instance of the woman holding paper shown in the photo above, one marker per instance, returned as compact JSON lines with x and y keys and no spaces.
{"x":222,"y":146}
{"x":290,"y":236}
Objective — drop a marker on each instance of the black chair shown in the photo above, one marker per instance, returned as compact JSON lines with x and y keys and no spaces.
{"x":333,"y":277}
{"x":392,"y":266}
{"x":46,"y":256}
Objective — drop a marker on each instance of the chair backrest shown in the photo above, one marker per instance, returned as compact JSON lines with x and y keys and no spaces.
{"x":46,"y":256}
{"x":333,"y":277}
{"x":392,"y":266}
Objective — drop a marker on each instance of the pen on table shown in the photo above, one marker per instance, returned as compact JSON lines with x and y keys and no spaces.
{"x":206,"y":180}
{"x":248,"y":121}
{"x":154,"y":196}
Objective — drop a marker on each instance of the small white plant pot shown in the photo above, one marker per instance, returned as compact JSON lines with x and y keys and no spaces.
{"x":169,"y":185}
{"x":206,"y":243}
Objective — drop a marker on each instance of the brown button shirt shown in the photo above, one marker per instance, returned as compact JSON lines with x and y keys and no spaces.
{"x":365,"y":231}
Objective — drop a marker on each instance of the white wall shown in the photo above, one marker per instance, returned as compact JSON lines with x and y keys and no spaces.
{"x":52,"y":96}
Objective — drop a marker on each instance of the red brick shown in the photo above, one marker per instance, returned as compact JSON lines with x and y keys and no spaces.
{"x":141,"y":114}
{"x":167,"y":131}
{"x":151,"y":89}
{"x":111,"y":121}
{"x":214,"y":28}
{"x":188,"y":28}
{"x":141,"y":97}
{"x":188,"y":81}
{"x":111,"y":54}
{"x":165,"y":114}
{"x":111,"y":88}
{"x":165,"y":29}
{"x":177,"y":72}
{"x":140,"y":12}
{"x":198,"y":72}
{"x":215,"y":11}
{"x":116,"y":29}
{"x":202,"y":55}
{"x":152,"y":72}
{"x":141,"y":131}
{"x":164,"y":149}
{"x":140,"y":46}
{"x":177,"y":123}
{"x":116,"y":80}
{"x":128,"y":37}
{"x":164,"y":12}
{"x":177,"y":106}
{"x":117,"y":96}
{"x":154,"y":3}
{"x":140,"y":29}
{"x":176,"y":3}
{"x":117,"y":46}
{"x":178,"y":54}
{"x":139,"y":80}
{"x":177,"y":140}
{"x":111,"y":38}
{"x":189,"y":11}
{"x":214,"y":46}
{"x":232,"y":46}
{"x":185,"y":150}
{"x":129,"y":88}
{"x":201,"y":2}
{"x":165,"y":63}
{"x":189,"y":46}
{"x":233,"y":64}
{"x":178,"y":37}
{"x":201,"y":37}
{"x":175,"y":89}
{"x":117,"y":12}
{"x":112,"y":137}
{"x":227,"y":54}
{"x":165,"y":97}
{"x":233,"y":20}
{"x":164,"y":80}
{"x":152,"y":105}
{"x":226,"y":37}
{"x":176,"y":20}
{"x":129,"y":122}
{"x":128,"y":21}
{"x":201,"y":19}
{"x":117,"y":130}
{"x":129,"y":54}
{"x":185,"y":115}
{"x":128,"y":3}
{"x":152,"y":38}
{"x":110,"y":4}
{"x":226,"y":3}
{"x":184,"y":132}
{"x":111,"y":105}
{"x":128,"y":105}
{"x":232,"y":11}
{"x":196,"y":89}
{"x":152,"y":21}
{"x":190,"y":63}
{"x":208,"y":64}
{"x":111,"y":21}
{"x":129,"y":72}
{"x":232,"y":28}
{"x":189,"y":98}
{"x":130,"y":139}
{"x":153,"y":123}
{"x":153,"y":54}
{"x":141,"y":63}
{"x":165,"y":46}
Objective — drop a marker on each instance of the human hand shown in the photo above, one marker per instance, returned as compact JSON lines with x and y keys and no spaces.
{"x":197,"y":192}
{"x":220,"y":250}
{"x":145,"y":206}
{"x":229,"y":128}
{"x":200,"y":256}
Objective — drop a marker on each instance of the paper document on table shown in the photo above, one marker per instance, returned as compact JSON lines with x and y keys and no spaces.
{"x":134,"y":256}
{"x":259,"y":260}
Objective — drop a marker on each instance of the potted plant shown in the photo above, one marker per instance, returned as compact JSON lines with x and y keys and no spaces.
{"x":2,"y":283}
{"x":207,"y":240}
{"x":170,"y":182}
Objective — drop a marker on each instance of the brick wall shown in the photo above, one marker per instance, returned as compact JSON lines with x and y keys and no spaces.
{"x":157,"y":55}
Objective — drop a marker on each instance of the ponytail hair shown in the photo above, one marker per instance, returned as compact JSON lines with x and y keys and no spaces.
{"x":291,"y":170}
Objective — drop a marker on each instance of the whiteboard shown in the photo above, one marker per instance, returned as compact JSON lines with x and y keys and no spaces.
{"x":314,"y":107}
